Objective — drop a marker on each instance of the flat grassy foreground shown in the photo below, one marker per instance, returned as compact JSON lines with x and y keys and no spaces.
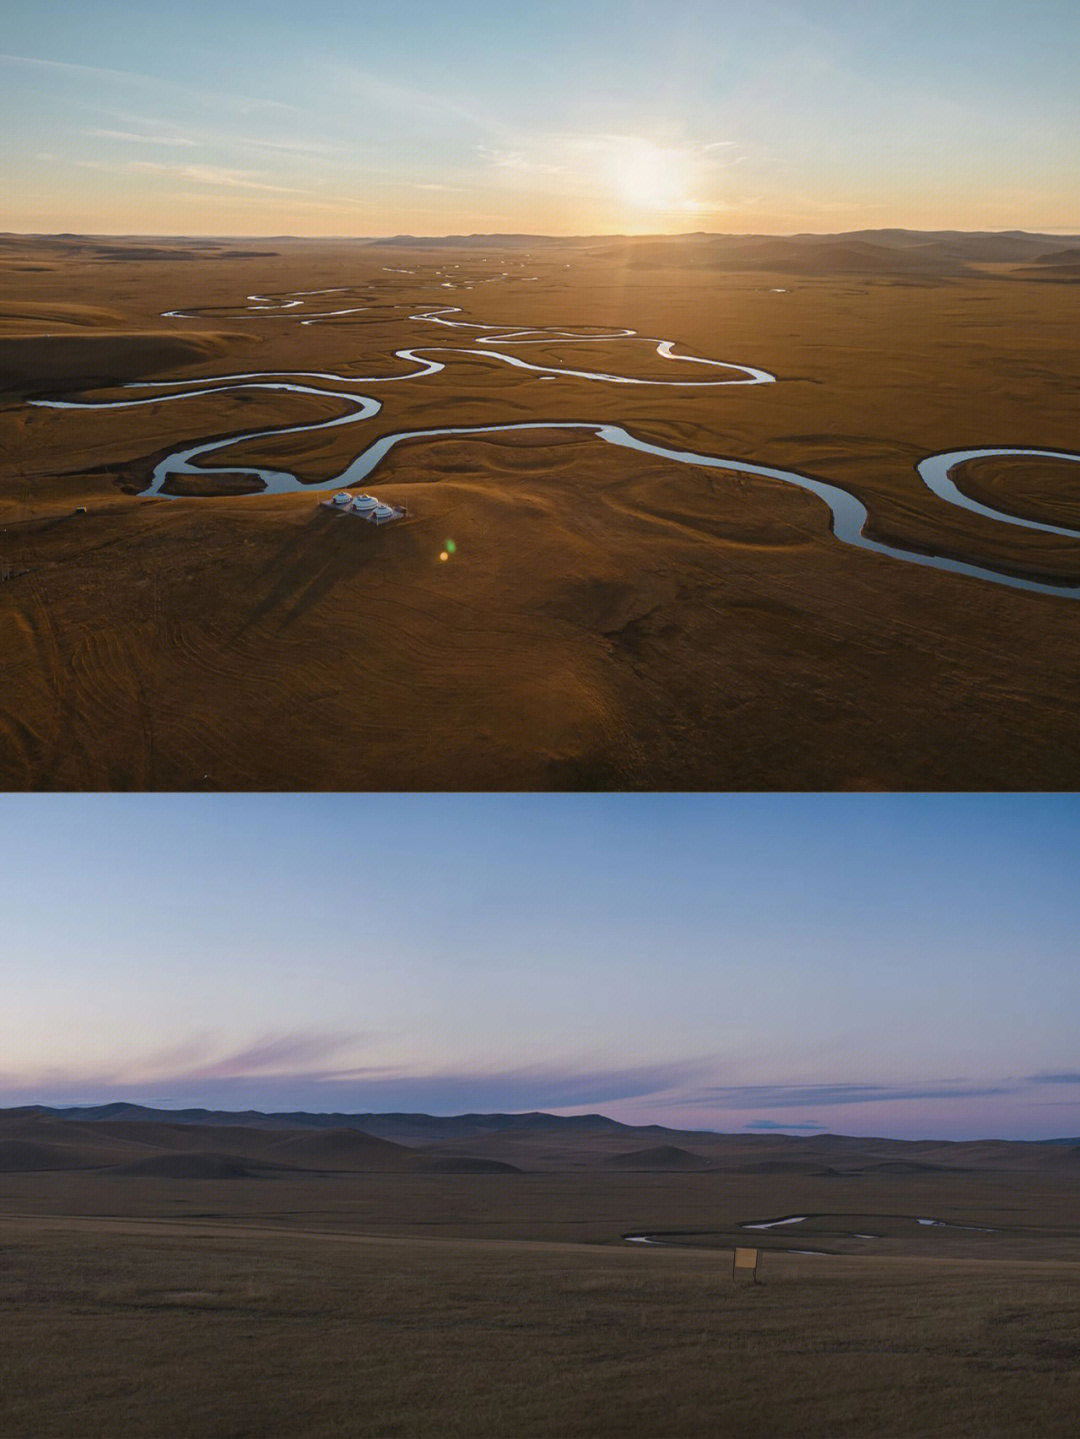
{"x":140,"y":1328}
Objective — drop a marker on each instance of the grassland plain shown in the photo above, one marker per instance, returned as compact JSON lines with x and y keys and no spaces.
{"x":608,"y":618}
{"x":120,"y":1327}
{"x":383,"y":1295}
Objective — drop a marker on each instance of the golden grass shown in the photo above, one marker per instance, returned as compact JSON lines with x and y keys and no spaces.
{"x":608,"y":620}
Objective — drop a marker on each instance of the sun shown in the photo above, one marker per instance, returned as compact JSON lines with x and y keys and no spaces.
{"x":648,"y":177}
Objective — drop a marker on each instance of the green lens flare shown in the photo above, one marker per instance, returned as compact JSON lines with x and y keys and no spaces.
{"x":450,"y":547}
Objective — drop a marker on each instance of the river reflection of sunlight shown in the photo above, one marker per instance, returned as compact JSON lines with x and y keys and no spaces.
{"x":849,"y":515}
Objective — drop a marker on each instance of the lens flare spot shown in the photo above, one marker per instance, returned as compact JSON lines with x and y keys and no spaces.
{"x":450,"y":547}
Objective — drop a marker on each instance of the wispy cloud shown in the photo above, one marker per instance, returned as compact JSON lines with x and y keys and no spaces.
{"x":136,"y":139}
{"x":772,"y":1124}
{"x":365,"y":90}
{"x":202,"y":1056}
{"x":282,"y":147}
{"x":1061,"y":1076}
{"x":68,"y":67}
{"x":325,"y":1071}
{"x":798,"y":1096}
{"x":277,"y":1054}
{"x":519,"y":160}
{"x":138,"y":81}
{"x":200,"y":139}
{"x":217,"y":175}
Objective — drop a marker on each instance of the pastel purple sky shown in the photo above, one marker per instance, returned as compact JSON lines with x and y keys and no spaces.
{"x":896,"y":965}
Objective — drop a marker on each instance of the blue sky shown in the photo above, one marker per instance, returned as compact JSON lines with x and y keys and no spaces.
{"x":424,"y":117}
{"x":898,"y":965}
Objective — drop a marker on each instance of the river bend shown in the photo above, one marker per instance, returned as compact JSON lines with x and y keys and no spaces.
{"x":849,"y":515}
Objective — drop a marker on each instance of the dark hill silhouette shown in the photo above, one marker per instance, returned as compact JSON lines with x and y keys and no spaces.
{"x":401,"y":1128}
{"x":243,"y":1139}
{"x":119,"y":1136}
{"x":195,"y":1165}
{"x":808,"y":1167}
{"x":340,"y":1149}
{"x":36,"y":1141}
{"x":24,"y":1155}
{"x":68,"y":1145}
{"x":902,"y":1166}
{"x":467,"y":1164}
{"x":661,"y":1156}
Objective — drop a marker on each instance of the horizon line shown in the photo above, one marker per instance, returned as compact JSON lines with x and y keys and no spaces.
{"x":1057,"y":231}
{"x":776,"y":1129}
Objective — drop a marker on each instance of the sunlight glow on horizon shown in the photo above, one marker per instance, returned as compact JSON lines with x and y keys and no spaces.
{"x":572,"y":118}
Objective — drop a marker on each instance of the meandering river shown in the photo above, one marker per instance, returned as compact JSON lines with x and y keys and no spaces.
{"x":677,"y":1238}
{"x":849,"y":515}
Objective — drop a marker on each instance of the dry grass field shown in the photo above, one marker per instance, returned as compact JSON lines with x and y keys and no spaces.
{"x":608,"y":618}
{"x":382,"y":1296}
{"x":116,"y":1327}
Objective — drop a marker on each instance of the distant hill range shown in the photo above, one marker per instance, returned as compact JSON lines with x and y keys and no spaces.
{"x":403,"y":1128}
{"x":896,"y":255}
{"x":131,"y":247}
{"x":928,"y":253}
{"x":137,"y":1142}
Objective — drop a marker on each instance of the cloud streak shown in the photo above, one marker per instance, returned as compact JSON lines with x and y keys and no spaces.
{"x":196,"y":139}
{"x":776,"y":1124}
{"x":142,"y":82}
{"x":322,"y":1071}
{"x":132,"y":137}
{"x":216,"y":175}
{"x":799,"y":1096}
{"x":276,"y":1054}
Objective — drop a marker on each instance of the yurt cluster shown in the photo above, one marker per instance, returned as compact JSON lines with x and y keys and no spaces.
{"x":367,"y":507}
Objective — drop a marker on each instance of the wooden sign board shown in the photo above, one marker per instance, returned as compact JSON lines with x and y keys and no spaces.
{"x":745,"y":1259}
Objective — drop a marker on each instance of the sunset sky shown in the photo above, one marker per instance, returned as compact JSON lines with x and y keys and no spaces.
{"x":891,"y":965}
{"x":561,"y":116}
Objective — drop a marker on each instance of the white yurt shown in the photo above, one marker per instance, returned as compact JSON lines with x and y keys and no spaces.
{"x":382,"y":514}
